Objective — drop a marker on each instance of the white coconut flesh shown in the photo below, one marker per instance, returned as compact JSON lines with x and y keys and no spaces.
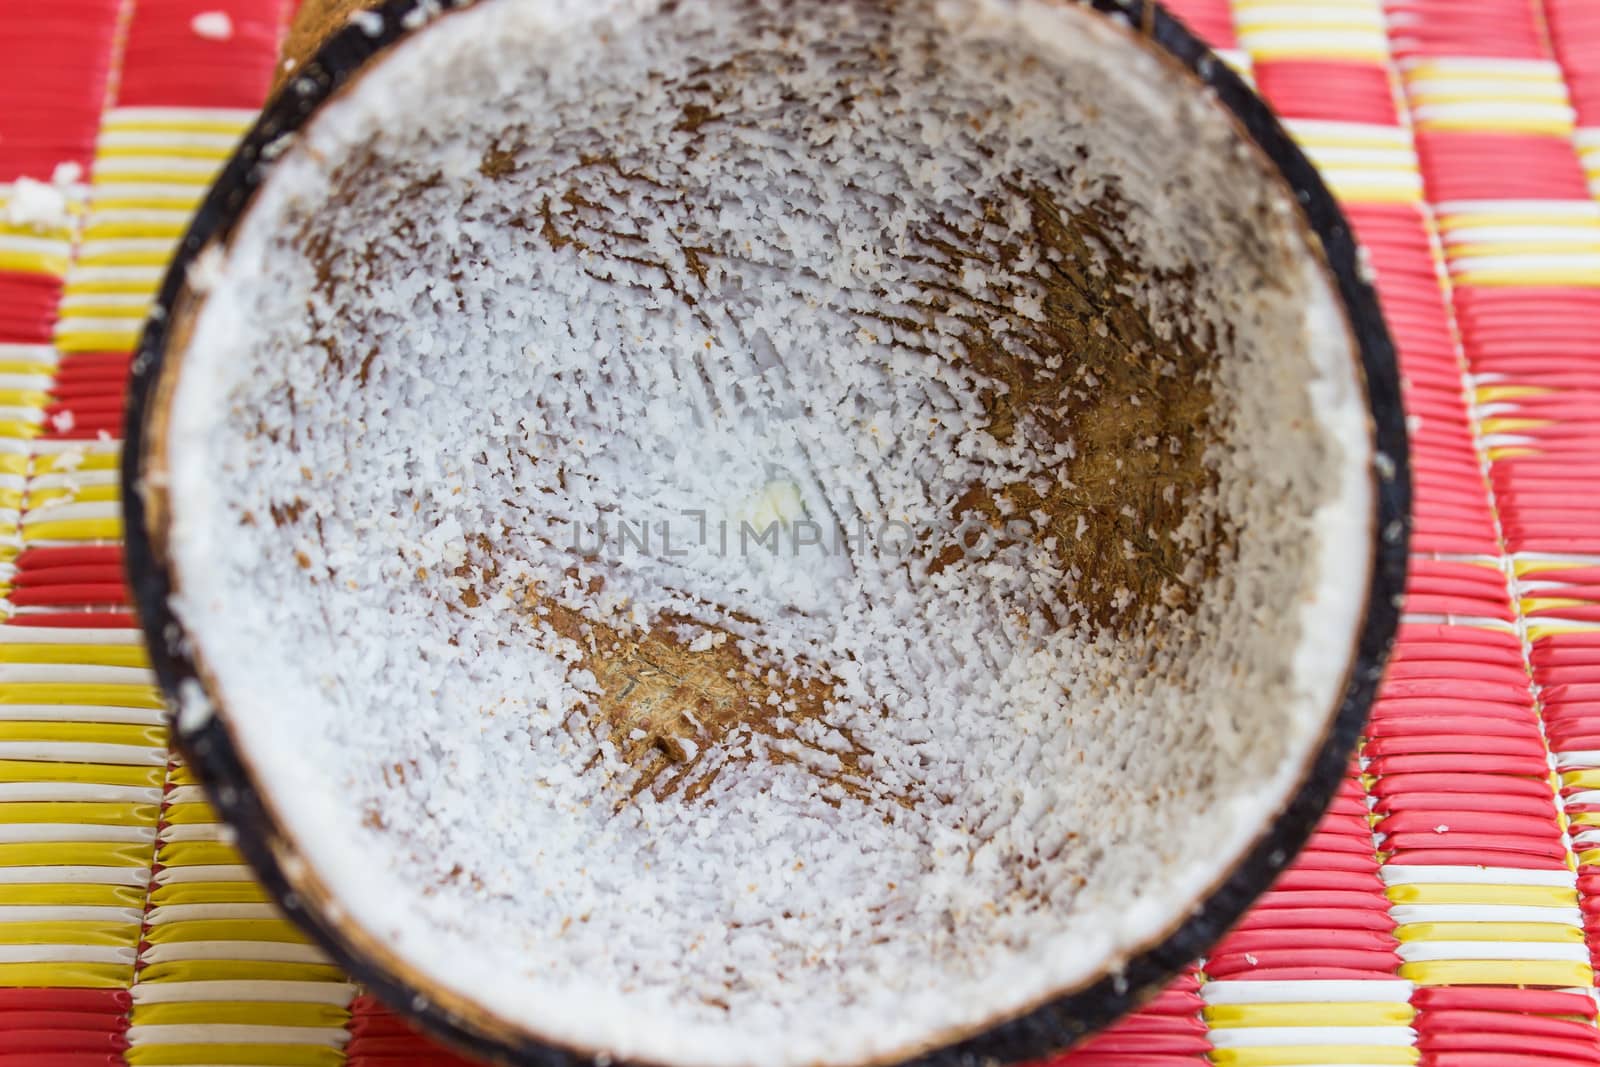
{"x":988,"y":288}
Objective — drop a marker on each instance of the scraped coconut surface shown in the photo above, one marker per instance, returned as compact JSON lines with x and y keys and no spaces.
{"x":769,"y":533}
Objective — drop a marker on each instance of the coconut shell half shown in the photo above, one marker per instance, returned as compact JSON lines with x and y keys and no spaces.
{"x":724,"y":533}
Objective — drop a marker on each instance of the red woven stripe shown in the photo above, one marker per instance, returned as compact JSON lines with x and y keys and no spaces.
{"x":66,"y":1027}
{"x":1534,"y":336}
{"x":1469,"y":1025}
{"x":77,"y":1001}
{"x":1499,"y":28}
{"x":54,"y":59}
{"x":1451,"y":510}
{"x":91,"y":573}
{"x":1211,"y":20}
{"x":169,"y":64}
{"x":1461,"y":761}
{"x":1304,"y":89}
{"x":379,"y":1038}
{"x":1575,"y":32}
{"x":1472,"y":166}
{"x":71,"y":556}
{"x":27,"y":301}
{"x":88,"y":620}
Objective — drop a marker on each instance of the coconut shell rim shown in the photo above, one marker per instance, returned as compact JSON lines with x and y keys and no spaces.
{"x":1037,"y":1031}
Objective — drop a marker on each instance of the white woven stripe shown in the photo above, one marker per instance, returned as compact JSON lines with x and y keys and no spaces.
{"x":269,"y":951}
{"x":78,"y":712}
{"x":1389,"y":991}
{"x":54,"y":913}
{"x":65,"y":954}
{"x":336,"y":993}
{"x":177,"y":913}
{"x":1276,"y":1036}
{"x":83,"y":752}
{"x":1395,"y":874}
{"x":21,"y":833}
{"x":232,"y":1033}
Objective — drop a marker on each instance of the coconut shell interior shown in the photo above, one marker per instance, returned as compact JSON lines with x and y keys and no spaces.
{"x":988,"y":285}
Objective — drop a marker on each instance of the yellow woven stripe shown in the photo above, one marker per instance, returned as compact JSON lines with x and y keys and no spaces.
{"x":209,"y":893}
{"x":76,"y":932}
{"x":92,"y":655}
{"x":111,"y":229}
{"x":1388,"y":139}
{"x":1534,"y":122}
{"x":1471,"y":91}
{"x":25,"y":262}
{"x":1501,"y":276}
{"x":1557,"y":974}
{"x":1312,"y":1055}
{"x":1248,"y":26}
{"x":74,"y":854}
{"x":24,"y":366}
{"x":75,"y":529}
{"x":1488,"y":394}
{"x":1527,"y":566}
{"x":79,"y":812}
{"x":55,"y":463}
{"x":1243,"y":8}
{"x":1529,"y":604}
{"x":1500,"y":218}
{"x":23,"y":398}
{"x":92,"y":286}
{"x":33,"y":233}
{"x":82,"y":494}
{"x":1460,"y":69}
{"x":1539,"y":630}
{"x":1488,"y":931}
{"x":97,"y":340}
{"x":66,"y":975}
{"x":182,"y":775}
{"x":127,"y":257}
{"x":277,"y":930}
{"x":76,"y":894}
{"x":125,"y":696}
{"x":254,"y":1013}
{"x":1499,"y":452}
{"x":168,"y":151}
{"x":239,"y":971}
{"x":198,"y":854}
{"x":134,"y":313}
{"x":1354,"y":50}
{"x":1502,"y":424}
{"x":240,"y":1055}
{"x":1523,"y":248}
{"x":107,"y":733}
{"x":155,"y":176}
{"x":117,"y":122}
{"x":151,"y":200}
{"x":190,"y":814}
{"x":89,"y":773}
{"x":1352,"y":190}
{"x":1355,"y":1014}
